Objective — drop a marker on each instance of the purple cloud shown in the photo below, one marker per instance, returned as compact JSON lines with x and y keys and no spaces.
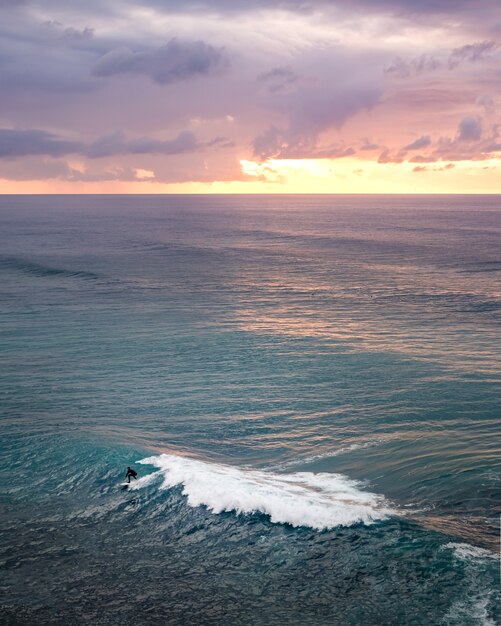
{"x":408,"y":8}
{"x":403,"y":69}
{"x":469,"y":129}
{"x":21,"y":143}
{"x":278,"y":144}
{"x":421,"y":142}
{"x":471,"y":52}
{"x":278,"y":78}
{"x":177,"y":60}
{"x":308,"y":85}
{"x":68,"y":33}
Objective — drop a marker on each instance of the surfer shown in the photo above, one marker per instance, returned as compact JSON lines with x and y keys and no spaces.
{"x":130,"y":472}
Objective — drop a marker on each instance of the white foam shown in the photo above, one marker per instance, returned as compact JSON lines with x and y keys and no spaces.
{"x":472,"y":610}
{"x":467,"y":552}
{"x":143,"y":481}
{"x":318,"y":501}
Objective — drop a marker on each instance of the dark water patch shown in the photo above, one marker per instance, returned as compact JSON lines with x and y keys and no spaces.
{"x":460,"y":302}
{"x":44,"y":271}
{"x":482,"y":266}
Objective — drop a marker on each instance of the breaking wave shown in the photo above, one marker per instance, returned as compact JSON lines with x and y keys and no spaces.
{"x":320,"y":501}
{"x":465,"y":551}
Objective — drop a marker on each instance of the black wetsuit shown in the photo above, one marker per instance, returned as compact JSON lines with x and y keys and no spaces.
{"x":130,"y":472}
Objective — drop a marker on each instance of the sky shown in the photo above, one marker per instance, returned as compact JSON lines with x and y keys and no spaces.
{"x":242,"y":96}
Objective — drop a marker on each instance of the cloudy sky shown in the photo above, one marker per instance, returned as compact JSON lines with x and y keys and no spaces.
{"x":349,"y":96}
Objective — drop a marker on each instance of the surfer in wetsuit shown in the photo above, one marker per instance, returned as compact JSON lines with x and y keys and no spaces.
{"x":130,"y":472}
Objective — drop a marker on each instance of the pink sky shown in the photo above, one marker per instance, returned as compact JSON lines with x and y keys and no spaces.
{"x":378,"y":96}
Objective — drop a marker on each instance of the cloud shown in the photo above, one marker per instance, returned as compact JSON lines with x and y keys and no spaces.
{"x":387,"y":157}
{"x":487,"y":102}
{"x":275,"y":143}
{"x":67,"y":33}
{"x":471,"y":143}
{"x":278,"y":78}
{"x":403,"y":69}
{"x":368,"y":145}
{"x":471,"y":52}
{"x":469,"y":129}
{"x":115,"y":144}
{"x":424,"y":168}
{"x":422,"y":142}
{"x":6,"y":4}
{"x":176,"y":61}
{"x":317,"y":106}
{"x":306,"y":81}
{"x":22,"y":143}
{"x":403,"y":8}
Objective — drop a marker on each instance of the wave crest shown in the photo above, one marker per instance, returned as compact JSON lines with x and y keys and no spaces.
{"x":320,"y":501}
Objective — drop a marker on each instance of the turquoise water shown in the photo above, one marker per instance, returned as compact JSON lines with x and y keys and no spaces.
{"x":307,"y":386}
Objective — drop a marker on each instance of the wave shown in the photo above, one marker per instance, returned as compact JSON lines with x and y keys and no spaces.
{"x":465,"y":551}
{"x":320,"y":501}
{"x":477,"y":605}
{"x":483,"y":266}
{"x":37,"y":269}
{"x":474,"y":609}
{"x":328,"y":455}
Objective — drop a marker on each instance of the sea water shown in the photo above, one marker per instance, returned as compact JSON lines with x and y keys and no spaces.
{"x":307,"y":386}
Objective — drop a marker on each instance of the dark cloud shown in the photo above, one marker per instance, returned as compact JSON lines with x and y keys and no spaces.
{"x":278,"y":78}
{"x":403,"y":69}
{"x":44,"y":56}
{"x":274,"y":143}
{"x":67,"y":33}
{"x":115,"y":144}
{"x":21,"y":143}
{"x":421,"y":142}
{"x":470,"y":143}
{"x":177,"y":60}
{"x":185,"y":142}
{"x":469,"y":129}
{"x":471,"y":52}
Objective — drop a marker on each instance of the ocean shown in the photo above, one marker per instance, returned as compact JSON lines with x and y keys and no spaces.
{"x":307,"y":386}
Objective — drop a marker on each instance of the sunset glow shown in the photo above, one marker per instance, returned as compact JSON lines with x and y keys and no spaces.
{"x":389,"y":96}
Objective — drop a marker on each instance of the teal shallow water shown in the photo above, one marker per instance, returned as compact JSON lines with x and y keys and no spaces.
{"x":315,"y":341}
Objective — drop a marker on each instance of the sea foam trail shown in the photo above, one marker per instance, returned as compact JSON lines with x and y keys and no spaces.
{"x":318,"y":501}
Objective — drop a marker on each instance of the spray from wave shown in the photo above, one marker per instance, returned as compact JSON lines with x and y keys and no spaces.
{"x":320,"y":501}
